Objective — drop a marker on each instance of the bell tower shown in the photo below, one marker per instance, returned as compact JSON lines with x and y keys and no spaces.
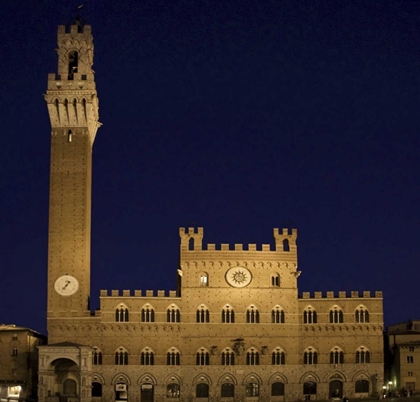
{"x":73,"y":110}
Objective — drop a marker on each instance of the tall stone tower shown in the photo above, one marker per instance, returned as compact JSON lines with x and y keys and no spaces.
{"x":73,"y":110}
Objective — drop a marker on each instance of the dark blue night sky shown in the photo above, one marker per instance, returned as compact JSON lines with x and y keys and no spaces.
{"x":238,"y":116}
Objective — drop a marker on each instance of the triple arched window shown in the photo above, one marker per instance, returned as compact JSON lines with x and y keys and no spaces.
{"x":336,"y":356}
{"x":147,"y":357}
{"x":310,"y":315}
{"x":310,"y":356}
{"x":147,"y":314}
{"x":173,"y":357}
{"x":361,"y":315}
{"x":277,"y":315}
{"x":121,"y":357}
{"x":336,"y":315}
{"x":173,"y":314}
{"x":227,"y":357}
{"x":252,"y":357}
{"x":202,"y":357}
{"x":252,"y":315}
{"x":121,"y":313}
{"x":202,"y":314}
{"x":278,"y":357}
{"x":362,"y":355}
{"x":228,"y":315}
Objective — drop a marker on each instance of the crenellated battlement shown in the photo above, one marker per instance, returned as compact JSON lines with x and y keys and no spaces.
{"x":137,"y":293}
{"x":342,"y":294}
{"x":75,"y":29}
{"x":192,"y":240}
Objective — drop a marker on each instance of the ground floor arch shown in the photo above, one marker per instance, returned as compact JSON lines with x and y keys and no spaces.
{"x":64,"y":373}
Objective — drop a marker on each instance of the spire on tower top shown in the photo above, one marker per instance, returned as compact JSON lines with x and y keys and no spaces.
{"x":78,"y":20}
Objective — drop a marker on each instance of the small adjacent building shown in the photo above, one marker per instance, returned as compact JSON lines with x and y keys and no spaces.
{"x":403,"y":357}
{"x":19,"y":362}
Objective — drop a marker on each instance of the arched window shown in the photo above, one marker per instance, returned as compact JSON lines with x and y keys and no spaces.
{"x":277,"y":389}
{"x":336,"y":315}
{"x":227,"y":357}
{"x":121,"y":313}
{"x":252,"y":315}
{"x":227,"y":390}
{"x":362,"y":355}
{"x":202,"y":357}
{"x":275,"y":280}
{"x":252,"y":389}
{"x":173,"y":390}
{"x":361,"y":315}
{"x":309,"y":388}
{"x":173,"y":314}
{"x":173,"y":357}
{"x":147,"y":314}
{"x":309,"y":316}
{"x":202,"y":390}
{"x":204,"y":279}
{"x":252,"y":357}
{"x":147,"y":357}
{"x":277,"y":315}
{"x":203,"y":314}
{"x":336,"y":356}
{"x":121,"y":357}
{"x":310,"y":356}
{"x":228,"y":315}
{"x":73,"y":63}
{"x":361,"y":386}
{"x":96,"y":356}
{"x":278,"y":357}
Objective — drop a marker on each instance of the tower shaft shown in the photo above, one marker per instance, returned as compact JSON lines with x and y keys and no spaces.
{"x":73,"y":110}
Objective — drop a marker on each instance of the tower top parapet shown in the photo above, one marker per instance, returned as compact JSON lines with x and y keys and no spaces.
{"x":71,"y":93}
{"x":192,"y":240}
{"x":75,"y":51}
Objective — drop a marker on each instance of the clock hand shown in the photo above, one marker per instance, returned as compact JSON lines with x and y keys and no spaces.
{"x":67,"y":284}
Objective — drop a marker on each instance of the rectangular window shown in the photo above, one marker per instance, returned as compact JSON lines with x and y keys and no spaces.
{"x":411,"y":349}
{"x":14,"y":352}
{"x":204,"y":280}
{"x":14,"y":391}
{"x":410,"y":359}
{"x":410,"y":374}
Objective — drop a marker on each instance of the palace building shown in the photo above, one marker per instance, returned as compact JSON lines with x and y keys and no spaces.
{"x":235,"y":328}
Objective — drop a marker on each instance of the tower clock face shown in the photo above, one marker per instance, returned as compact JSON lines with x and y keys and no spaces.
{"x":238,"y":277}
{"x":66,"y":285}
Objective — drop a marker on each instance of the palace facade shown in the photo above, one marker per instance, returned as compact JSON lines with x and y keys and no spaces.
{"x":235,"y":328}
